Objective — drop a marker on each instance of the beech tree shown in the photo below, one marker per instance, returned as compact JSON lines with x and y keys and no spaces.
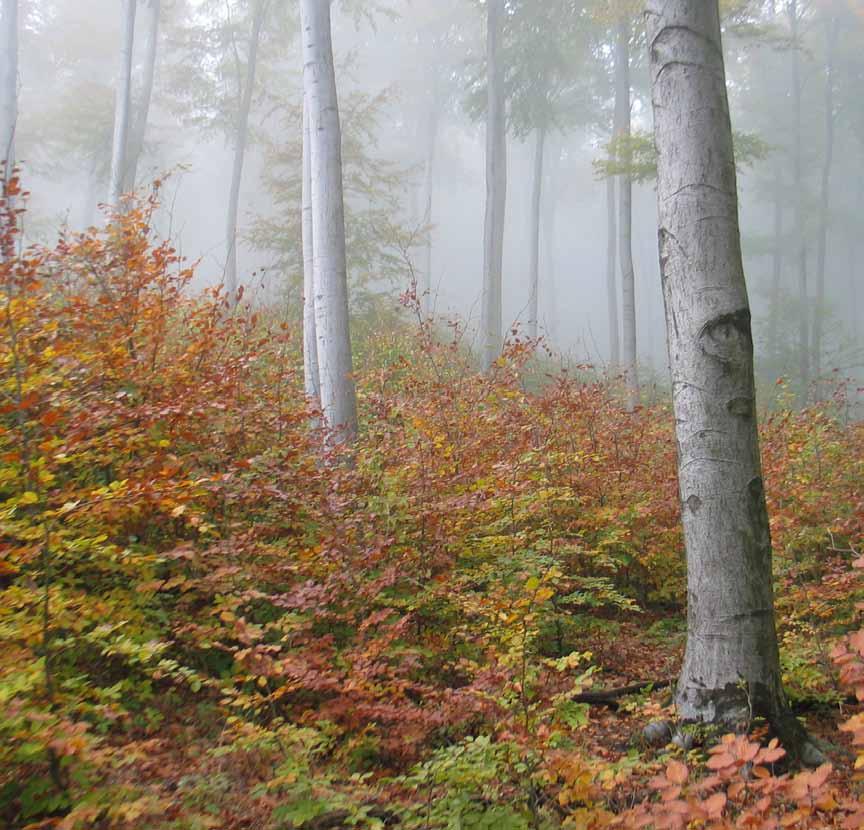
{"x":546,"y":46}
{"x":311,"y":374}
{"x":731,"y":670}
{"x":625,"y":211}
{"x":832,"y":34}
{"x":612,"y":274}
{"x":141,"y":116}
{"x":430,"y":139}
{"x":794,"y":15}
{"x":330,"y":272}
{"x":122,"y":102}
{"x":240,"y":141}
{"x":219,"y":53}
{"x":496,"y":187}
{"x":8,"y":84}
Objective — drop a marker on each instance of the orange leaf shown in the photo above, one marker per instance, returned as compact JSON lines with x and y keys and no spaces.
{"x":676,"y":772}
{"x":720,"y":761}
{"x":715,"y":804}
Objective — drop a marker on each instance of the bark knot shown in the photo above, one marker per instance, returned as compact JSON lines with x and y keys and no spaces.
{"x":741,"y":407}
{"x":728,"y":337}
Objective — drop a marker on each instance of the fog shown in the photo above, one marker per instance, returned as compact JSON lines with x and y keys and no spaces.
{"x":408,"y":58}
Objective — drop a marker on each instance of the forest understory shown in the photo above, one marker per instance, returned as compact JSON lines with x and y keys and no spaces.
{"x":213,"y":616}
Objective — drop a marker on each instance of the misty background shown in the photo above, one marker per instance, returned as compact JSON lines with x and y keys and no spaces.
{"x":405,"y":66}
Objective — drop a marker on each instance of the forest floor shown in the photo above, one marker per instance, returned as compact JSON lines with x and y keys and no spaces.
{"x":211,"y":616}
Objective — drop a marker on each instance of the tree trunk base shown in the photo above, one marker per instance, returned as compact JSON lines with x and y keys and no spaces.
{"x":736,"y":707}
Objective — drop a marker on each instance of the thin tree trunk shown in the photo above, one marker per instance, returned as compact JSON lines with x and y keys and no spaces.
{"x":625,"y":213}
{"x":731,"y":669}
{"x":855,"y":325}
{"x":431,"y":137}
{"x":832,"y":33}
{"x":242,"y":136}
{"x":310,"y":338}
{"x":612,"y":274}
{"x":777,"y":266}
{"x":8,"y":86}
{"x":142,"y":113}
{"x":800,"y":229}
{"x":550,"y":243}
{"x":854,"y":269}
{"x":338,"y":397}
{"x":122,"y":100}
{"x":496,"y":191}
{"x":778,"y":73}
{"x":534,"y":266}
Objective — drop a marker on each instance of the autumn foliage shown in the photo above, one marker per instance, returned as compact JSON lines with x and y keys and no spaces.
{"x":211,"y":617}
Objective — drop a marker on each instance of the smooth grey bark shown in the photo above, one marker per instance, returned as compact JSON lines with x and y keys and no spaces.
{"x":854,"y":270}
{"x":776,"y":265}
{"x":310,"y":338}
{"x":731,"y":670}
{"x":832,"y":34}
{"x":330,"y":273}
{"x":424,"y":289}
{"x":122,"y":103}
{"x":854,"y":318}
{"x":800,"y":228}
{"x":534,"y":262}
{"x":612,"y":275}
{"x":549,"y":230}
{"x":496,"y":191}
{"x":241,"y":140}
{"x":8,"y":85}
{"x":142,"y":112}
{"x":625,"y":214}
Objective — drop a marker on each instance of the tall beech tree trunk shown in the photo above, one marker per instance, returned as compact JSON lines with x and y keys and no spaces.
{"x":242,"y":137}
{"x":854,"y":270}
{"x":777,"y":73}
{"x":800,"y":225}
{"x":832,"y":25}
{"x":731,"y":667}
{"x":777,"y":265}
{"x":330,"y":272}
{"x":854,"y":319}
{"x":8,"y":84}
{"x":550,"y":240}
{"x":431,"y":138}
{"x":122,"y":103}
{"x":534,"y":264}
{"x":310,"y":337}
{"x":142,"y":112}
{"x":612,"y":275}
{"x":496,"y":190}
{"x":625,"y":212}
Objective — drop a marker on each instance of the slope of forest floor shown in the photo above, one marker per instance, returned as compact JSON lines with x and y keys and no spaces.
{"x":211,"y":617}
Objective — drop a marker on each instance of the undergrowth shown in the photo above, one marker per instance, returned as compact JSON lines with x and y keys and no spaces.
{"x":212,"y":618}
